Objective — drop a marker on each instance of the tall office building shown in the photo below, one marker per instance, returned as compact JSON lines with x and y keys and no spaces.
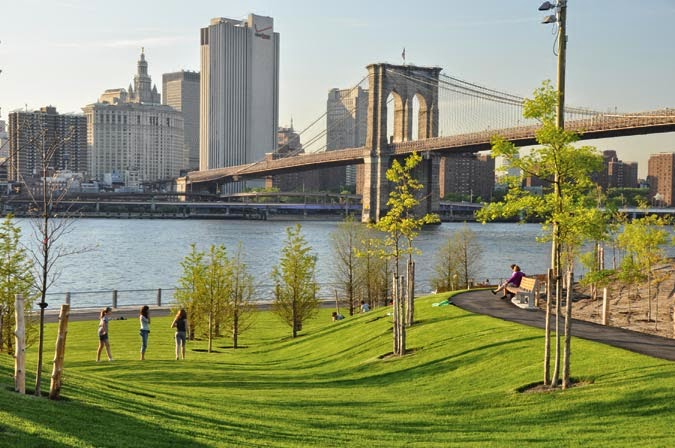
{"x":346,"y":114}
{"x":4,"y":140}
{"x":180,"y":90}
{"x":661,"y":178}
{"x":239,"y":101}
{"x":131,"y":134}
{"x":32,"y":134}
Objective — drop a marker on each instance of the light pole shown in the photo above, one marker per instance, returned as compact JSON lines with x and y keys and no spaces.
{"x":560,"y":17}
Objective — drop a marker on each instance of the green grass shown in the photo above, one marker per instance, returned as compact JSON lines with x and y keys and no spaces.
{"x":332,"y":387}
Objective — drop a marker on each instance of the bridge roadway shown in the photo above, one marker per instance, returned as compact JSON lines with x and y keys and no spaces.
{"x":593,"y":128}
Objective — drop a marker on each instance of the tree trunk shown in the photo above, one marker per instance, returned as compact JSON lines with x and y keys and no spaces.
{"x":410,"y":296}
{"x":605,"y":307}
{"x":55,"y":388}
{"x":401,"y":316}
{"x":394,"y":315}
{"x":547,"y":331}
{"x":568,"y":332}
{"x":235,"y":329}
{"x":20,"y":347}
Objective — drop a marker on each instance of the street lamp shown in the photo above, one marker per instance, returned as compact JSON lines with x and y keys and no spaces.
{"x":560,"y":17}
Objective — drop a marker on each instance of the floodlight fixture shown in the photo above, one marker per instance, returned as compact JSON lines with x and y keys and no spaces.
{"x":546,"y":6}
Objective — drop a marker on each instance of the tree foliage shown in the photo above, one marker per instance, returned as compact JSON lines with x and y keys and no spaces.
{"x":348,"y":267}
{"x":643,"y":240}
{"x":565,"y":207}
{"x":295,"y":295}
{"x":401,"y":226}
{"x":239,"y":305}
{"x":457,"y":261}
{"x":16,"y":277}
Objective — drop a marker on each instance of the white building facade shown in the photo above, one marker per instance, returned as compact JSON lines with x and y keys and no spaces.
{"x":239,"y":99}
{"x":132,"y":134}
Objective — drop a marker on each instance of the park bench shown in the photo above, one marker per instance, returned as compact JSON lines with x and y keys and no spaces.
{"x":525,"y":293}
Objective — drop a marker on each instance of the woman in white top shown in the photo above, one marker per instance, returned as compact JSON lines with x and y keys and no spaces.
{"x":144,"y":317}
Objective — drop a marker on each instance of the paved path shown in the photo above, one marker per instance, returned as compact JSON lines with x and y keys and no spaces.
{"x":483,"y":302}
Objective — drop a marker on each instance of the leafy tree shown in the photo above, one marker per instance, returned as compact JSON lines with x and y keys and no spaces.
{"x":49,"y":223}
{"x":189,"y":291}
{"x":348,"y":270}
{"x":295,"y":296}
{"x":204,"y":287}
{"x":457,"y":260}
{"x":564,"y":207}
{"x":214,"y":289}
{"x":16,"y":277}
{"x":643,"y":240}
{"x":401,"y":224}
{"x":239,"y":306}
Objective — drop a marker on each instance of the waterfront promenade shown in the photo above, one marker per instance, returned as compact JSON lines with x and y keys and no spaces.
{"x":483,"y":302}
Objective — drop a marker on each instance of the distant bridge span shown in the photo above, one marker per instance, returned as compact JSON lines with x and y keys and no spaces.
{"x":406,"y":82}
{"x":594,"y":128}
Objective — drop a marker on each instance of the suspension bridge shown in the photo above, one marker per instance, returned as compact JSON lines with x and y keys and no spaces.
{"x":433,"y":114}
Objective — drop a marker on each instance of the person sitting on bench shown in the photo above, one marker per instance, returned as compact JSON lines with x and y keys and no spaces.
{"x":513,"y":281}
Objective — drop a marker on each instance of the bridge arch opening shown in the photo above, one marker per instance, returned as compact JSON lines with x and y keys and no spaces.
{"x":395,"y":107}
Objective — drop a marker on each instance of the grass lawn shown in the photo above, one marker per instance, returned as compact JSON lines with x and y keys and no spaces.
{"x":331,"y":387}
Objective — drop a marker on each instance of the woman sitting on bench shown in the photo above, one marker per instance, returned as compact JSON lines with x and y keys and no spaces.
{"x":513,"y":281}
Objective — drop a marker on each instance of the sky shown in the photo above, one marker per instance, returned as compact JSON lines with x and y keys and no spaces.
{"x":620,"y":53}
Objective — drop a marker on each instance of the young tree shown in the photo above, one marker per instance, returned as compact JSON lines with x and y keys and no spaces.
{"x":215,"y":289}
{"x":239,"y":306}
{"x":203,"y":290}
{"x":643,"y":240}
{"x":564,"y":207}
{"x":401,"y":224}
{"x":295,"y":298}
{"x":16,"y":277}
{"x":346,"y":242}
{"x":457,"y":261}
{"x":49,"y":223}
{"x":189,"y":292}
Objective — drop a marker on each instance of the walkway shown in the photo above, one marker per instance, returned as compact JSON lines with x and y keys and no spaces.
{"x":483,"y":302}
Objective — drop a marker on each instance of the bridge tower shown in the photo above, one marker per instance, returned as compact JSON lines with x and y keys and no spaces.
{"x":404,"y":83}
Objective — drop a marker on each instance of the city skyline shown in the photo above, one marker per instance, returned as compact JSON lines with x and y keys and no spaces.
{"x":64,"y":53}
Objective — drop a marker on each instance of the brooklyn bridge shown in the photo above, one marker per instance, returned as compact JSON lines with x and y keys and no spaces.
{"x":453,"y":116}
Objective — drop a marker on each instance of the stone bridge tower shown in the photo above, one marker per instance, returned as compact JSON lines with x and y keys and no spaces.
{"x":404,"y":83}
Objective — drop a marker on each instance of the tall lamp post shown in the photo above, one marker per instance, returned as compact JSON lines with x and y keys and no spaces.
{"x":559,"y":17}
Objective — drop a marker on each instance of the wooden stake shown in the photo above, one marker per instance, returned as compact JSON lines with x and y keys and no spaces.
{"x":55,"y":388}
{"x":20,"y":346}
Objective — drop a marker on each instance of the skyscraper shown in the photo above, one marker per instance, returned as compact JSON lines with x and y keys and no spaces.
{"x":133,"y":135}
{"x":346,"y":113}
{"x":239,"y":101}
{"x":180,"y":90}
{"x":34,"y":133}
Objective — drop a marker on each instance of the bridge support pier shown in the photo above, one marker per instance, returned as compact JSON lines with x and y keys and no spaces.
{"x":375,"y":187}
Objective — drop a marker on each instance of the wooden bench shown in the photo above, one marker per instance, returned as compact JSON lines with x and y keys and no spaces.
{"x":525,"y":293}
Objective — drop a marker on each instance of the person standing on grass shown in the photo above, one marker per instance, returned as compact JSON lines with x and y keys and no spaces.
{"x":103,"y":340}
{"x":180,"y":323}
{"x":144,"y":317}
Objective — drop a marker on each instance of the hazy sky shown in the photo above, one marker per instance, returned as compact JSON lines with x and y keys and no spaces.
{"x":620,"y":52}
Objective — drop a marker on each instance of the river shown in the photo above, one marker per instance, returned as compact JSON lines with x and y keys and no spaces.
{"x":137,"y":256}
